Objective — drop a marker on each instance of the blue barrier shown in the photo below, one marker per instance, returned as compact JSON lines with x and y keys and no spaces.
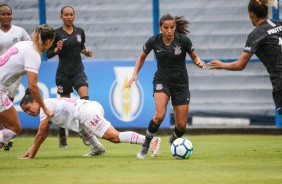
{"x":124,"y":108}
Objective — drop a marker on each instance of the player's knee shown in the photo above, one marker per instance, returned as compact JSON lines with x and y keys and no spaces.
{"x":18,"y":129}
{"x":159,"y":117}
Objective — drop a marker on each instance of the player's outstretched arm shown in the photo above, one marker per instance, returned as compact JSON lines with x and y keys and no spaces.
{"x":240,"y":64}
{"x":139,"y":63}
{"x":38,"y":140}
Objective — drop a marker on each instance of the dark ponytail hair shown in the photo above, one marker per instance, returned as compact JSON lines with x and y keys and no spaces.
{"x":180,"y":21}
{"x":27,"y":98}
{"x":260,"y":7}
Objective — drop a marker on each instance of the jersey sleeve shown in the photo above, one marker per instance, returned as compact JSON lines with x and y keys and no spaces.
{"x":251,"y":44}
{"x":32,"y":60}
{"x":148,"y":46}
{"x":25,"y":36}
{"x":50,"y":105}
{"x":188,"y":44}
{"x":82,"y":40}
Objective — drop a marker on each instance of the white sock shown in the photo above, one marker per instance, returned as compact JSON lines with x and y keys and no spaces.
{"x":6,"y":135}
{"x":89,"y":137}
{"x":131,"y":137}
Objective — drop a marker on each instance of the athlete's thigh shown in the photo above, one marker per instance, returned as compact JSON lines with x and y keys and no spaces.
{"x":111,"y":134}
{"x":161,"y":100}
{"x":10,"y":120}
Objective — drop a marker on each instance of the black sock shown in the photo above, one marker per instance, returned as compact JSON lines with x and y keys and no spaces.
{"x":151,"y":131}
{"x":62,"y":132}
{"x":176,"y":134}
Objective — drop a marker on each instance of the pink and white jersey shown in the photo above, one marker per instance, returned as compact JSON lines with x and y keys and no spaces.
{"x":14,"y":35}
{"x":65,"y":112}
{"x":16,"y":61}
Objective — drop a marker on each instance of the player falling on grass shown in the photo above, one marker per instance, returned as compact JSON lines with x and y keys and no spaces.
{"x":83,"y":116}
{"x":265,"y":41}
{"x":22,"y":58}
{"x":9,"y":35}
{"x":171,"y":78}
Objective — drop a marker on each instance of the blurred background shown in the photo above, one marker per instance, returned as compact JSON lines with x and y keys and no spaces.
{"x":116,"y":31}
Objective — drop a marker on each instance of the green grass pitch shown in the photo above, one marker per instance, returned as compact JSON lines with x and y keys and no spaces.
{"x":216,"y":159}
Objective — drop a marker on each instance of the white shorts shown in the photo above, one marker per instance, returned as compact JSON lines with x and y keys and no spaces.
{"x":13,"y":88}
{"x":5,"y":102}
{"x":91,"y":115}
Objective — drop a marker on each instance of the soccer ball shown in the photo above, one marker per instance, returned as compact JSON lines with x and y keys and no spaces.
{"x":181,"y":148}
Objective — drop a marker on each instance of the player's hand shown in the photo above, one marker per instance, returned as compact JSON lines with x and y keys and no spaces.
{"x":88,"y":52}
{"x":133,"y":80}
{"x":60,"y":44}
{"x":49,"y":113}
{"x":201,"y":64}
{"x":215,"y":64}
{"x":26,"y":155}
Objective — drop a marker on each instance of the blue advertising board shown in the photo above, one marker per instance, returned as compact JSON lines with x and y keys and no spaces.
{"x":124,"y":108}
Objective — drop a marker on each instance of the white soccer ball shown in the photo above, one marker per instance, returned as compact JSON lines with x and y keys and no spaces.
{"x":181,"y":148}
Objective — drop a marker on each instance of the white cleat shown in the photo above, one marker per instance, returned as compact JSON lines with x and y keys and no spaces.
{"x":155,"y":146}
{"x":141,"y":155}
{"x":97,"y":151}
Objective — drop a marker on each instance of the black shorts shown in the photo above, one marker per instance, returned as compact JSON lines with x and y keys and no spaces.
{"x":179,"y":93}
{"x":277,"y":97}
{"x":65,"y":83}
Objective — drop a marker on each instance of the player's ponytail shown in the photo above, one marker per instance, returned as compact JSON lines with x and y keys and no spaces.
{"x":27,"y":98}
{"x":181,"y":25}
{"x":41,"y":34}
{"x":260,"y":7}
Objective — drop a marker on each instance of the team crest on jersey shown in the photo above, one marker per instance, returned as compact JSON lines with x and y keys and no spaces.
{"x":159,"y":86}
{"x":15,"y":40}
{"x":177,"y":50}
{"x":78,"y":37}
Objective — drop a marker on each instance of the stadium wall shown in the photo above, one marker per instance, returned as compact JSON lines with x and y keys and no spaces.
{"x":116,"y":31}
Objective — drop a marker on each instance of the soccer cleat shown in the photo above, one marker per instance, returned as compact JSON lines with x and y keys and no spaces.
{"x":8,"y":146}
{"x":155,"y":146}
{"x":62,"y":142}
{"x":141,"y":155}
{"x":98,"y":150}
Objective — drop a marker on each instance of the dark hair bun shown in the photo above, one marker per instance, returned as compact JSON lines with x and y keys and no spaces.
{"x":27,"y":92}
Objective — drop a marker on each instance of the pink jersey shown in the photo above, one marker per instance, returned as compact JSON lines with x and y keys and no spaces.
{"x":16,"y":61}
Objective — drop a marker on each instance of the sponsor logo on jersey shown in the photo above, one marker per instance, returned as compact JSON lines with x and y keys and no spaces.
{"x":274,"y":30}
{"x":126,"y":104}
{"x":78,"y":37}
{"x":177,"y":50}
